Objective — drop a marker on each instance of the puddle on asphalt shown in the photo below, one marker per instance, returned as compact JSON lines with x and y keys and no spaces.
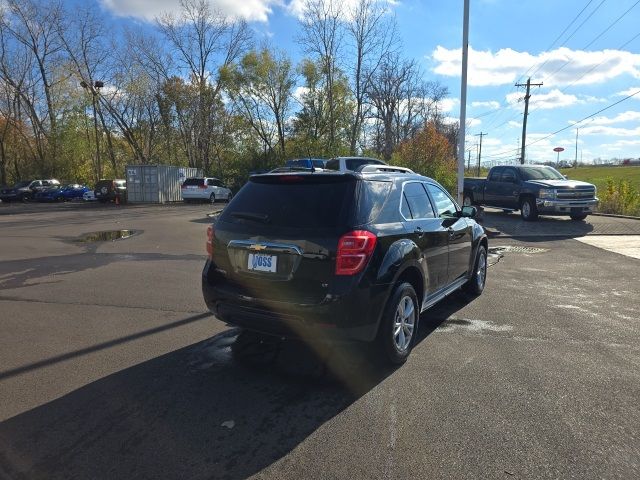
{"x":108,"y":236}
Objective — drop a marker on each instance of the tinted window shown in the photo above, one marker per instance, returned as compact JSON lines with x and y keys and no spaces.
{"x":194,"y":181}
{"x":333,"y":164}
{"x":318,"y":163}
{"x":354,"y":163}
{"x":418,"y":201}
{"x":371,"y":199}
{"x":292,"y":202}
{"x":494,"y":175}
{"x":540,"y":173}
{"x":404,"y":208}
{"x":443,"y":203}
{"x":509,"y":176}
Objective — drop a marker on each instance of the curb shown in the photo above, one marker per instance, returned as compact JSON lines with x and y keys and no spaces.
{"x":614,"y":216}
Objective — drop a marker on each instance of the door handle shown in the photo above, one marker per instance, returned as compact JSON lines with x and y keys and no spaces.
{"x":451,"y":231}
{"x":419,"y":232}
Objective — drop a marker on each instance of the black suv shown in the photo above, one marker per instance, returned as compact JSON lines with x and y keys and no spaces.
{"x":108,"y":190}
{"x":341,"y":255}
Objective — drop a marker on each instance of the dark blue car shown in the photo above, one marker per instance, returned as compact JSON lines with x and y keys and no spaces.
{"x":62,"y":193}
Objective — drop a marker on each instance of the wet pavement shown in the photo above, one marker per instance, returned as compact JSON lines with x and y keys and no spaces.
{"x":110,"y":367}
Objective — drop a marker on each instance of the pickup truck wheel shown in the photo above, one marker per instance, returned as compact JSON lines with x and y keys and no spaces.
{"x":579,"y":217}
{"x":528,"y":209}
{"x":467,"y":200}
{"x":399,"y":325}
{"x":478,"y":278}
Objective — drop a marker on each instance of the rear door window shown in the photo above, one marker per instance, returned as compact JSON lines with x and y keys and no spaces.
{"x":333,"y":164}
{"x":495,"y":174}
{"x":293,"y":202}
{"x":418,"y":201}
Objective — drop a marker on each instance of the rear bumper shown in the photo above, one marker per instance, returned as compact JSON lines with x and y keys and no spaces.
{"x":353,"y":315}
{"x":195,"y":194}
{"x":566,"y":207}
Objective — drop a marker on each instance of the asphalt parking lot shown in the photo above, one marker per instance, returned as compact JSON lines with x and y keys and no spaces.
{"x":110,"y":366}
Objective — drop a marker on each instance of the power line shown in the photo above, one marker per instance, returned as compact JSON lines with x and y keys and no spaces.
{"x":585,"y":118}
{"x":595,"y":39}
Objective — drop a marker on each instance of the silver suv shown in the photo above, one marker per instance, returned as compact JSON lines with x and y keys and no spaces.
{"x":207,"y":189}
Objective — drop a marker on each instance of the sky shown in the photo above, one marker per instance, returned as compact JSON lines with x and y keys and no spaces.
{"x":585,"y":52}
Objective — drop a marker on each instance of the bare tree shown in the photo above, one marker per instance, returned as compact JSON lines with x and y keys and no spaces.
{"x":202,"y":41}
{"x":322,"y":36}
{"x":32,"y":25}
{"x":372,"y":34}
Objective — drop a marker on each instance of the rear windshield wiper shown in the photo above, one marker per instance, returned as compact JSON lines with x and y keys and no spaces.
{"x":258,"y":217}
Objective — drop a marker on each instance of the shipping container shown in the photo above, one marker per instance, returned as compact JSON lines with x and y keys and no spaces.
{"x":157,"y":183}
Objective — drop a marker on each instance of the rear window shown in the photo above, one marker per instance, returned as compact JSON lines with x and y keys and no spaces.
{"x":354,"y":163}
{"x":292,"y":201}
{"x":104,"y":183}
{"x":194,"y":181}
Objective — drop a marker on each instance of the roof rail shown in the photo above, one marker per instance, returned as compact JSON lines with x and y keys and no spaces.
{"x":373,"y":168}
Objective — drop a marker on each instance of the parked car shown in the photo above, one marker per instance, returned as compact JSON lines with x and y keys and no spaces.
{"x":344,"y":164}
{"x":59,"y":193}
{"x":310,"y":163}
{"x":26,"y":190}
{"x":108,"y":189}
{"x":532,"y":189}
{"x":204,"y":189}
{"x":89,"y":196}
{"x":341,"y":255}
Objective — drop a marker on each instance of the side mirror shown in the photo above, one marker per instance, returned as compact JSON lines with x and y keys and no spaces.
{"x":469,"y":212}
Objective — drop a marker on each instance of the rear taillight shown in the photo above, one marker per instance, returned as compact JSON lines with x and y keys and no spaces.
{"x":202,"y":186}
{"x":210,"y":237}
{"x":354,"y":250}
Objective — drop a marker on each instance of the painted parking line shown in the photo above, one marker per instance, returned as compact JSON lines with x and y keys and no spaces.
{"x":628,"y":245}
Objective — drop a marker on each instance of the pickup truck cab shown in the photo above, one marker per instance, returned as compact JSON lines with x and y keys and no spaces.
{"x":532,"y":189}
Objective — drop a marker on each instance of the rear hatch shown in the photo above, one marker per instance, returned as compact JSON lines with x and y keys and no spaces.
{"x":277,"y":239}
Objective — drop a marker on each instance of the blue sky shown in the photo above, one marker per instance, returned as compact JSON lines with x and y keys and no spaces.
{"x":584,"y":71}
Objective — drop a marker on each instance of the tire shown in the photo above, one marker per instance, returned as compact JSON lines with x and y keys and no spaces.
{"x":229,"y":197}
{"x":467,"y":200}
{"x":579,"y":217}
{"x":478,"y":279}
{"x":212,"y":198}
{"x":400,"y":318}
{"x":528,"y":209}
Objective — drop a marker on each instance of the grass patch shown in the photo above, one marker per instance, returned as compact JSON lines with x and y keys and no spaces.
{"x":599,"y":175}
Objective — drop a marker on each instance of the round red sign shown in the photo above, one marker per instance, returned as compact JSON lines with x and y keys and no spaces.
{"x":558,"y":149}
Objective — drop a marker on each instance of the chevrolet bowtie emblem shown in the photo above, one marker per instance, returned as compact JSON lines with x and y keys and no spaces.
{"x":257,"y":247}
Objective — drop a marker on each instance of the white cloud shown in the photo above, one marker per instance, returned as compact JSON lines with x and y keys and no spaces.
{"x":621,"y":144}
{"x":513,"y":123}
{"x":252,"y":10}
{"x":541,"y":101}
{"x":491,"y":105}
{"x":628,"y":116}
{"x":630,"y":91}
{"x":448,"y":104}
{"x":506,"y":65}
{"x":473,"y":122}
{"x":610,"y":131}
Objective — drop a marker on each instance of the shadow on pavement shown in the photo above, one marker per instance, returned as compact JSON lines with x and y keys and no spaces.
{"x":511,"y":225}
{"x":198,"y":412}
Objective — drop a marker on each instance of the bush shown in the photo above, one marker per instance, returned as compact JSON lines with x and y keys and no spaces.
{"x":429,"y":153}
{"x":620,"y":198}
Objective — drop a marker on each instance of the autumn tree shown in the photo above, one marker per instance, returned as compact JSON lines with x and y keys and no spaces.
{"x":429,"y":153}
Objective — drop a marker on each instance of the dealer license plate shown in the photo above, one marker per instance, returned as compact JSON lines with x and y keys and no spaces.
{"x":262,"y":263}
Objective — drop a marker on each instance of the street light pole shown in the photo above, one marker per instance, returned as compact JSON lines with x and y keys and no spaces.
{"x":463,"y":99}
{"x":93,"y":89}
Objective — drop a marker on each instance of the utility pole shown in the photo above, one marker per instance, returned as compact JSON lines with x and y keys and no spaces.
{"x":480,"y":150}
{"x":469,"y":160}
{"x":575,"y":162}
{"x":526,"y":112}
